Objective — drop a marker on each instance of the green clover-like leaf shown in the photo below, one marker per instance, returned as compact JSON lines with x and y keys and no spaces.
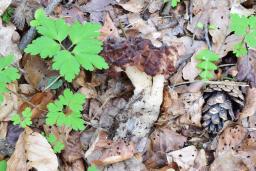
{"x":73,"y":118}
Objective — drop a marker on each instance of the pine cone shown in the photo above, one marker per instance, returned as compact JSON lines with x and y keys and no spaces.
{"x":221,"y":104}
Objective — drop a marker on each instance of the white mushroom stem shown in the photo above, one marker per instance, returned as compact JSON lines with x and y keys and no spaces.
{"x":143,"y":112}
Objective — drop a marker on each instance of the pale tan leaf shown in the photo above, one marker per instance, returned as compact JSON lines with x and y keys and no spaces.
{"x":134,"y":6}
{"x":4,"y":5}
{"x":32,"y":151}
{"x":250,"y":105}
{"x":185,"y":157}
{"x":8,"y":41}
{"x":109,"y":29}
{"x":11,"y":103}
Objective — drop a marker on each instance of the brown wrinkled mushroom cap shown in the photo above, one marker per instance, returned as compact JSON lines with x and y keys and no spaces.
{"x":139,"y":52}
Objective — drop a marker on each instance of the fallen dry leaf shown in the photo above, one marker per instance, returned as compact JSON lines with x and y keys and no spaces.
{"x":186,"y":157}
{"x":26,"y":89}
{"x":10,"y":104}
{"x":250,"y":104}
{"x":236,"y":150}
{"x":135,"y":163}
{"x":190,"y":71}
{"x":109,"y":29}
{"x":8,"y":41}
{"x":230,"y":138}
{"x":162,"y":140}
{"x":227,"y":161}
{"x":77,"y":165}
{"x":13,"y":134}
{"x":193,"y":103}
{"x":134,"y":6}
{"x":32,"y":151}
{"x":104,"y":151}
{"x":96,"y":9}
{"x":246,"y":68}
{"x":40,"y":102}
{"x":73,"y":149}
{"x":72,"y":15}
{"x":37,"y":71}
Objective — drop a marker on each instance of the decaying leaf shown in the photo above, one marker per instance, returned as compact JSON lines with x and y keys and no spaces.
{"x":40,"y":102}
{"x":104,"y":152}
{"x":186,"y":157}
{"x":96,"y":9}
{"x":109,"y":29}
{"x":162,"y":140}
{"x":250,"y":105}
{"x":193,"y":106}
{"x":37,"y":71}
{"x":11,"y":103}
{"x":230,"y":138}
{"x":73,"y":149}
{"x":246,"y":68}
{"x":236,"y":150}
{"x":32,"y":151}
{"x":72,"y":15}
{"x":190,"y":71}
{"x":8,"y":41}
{"x":133,"y":5}
{"x":135,"y":163}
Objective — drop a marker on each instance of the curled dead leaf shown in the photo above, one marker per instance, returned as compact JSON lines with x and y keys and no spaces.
{"x":32,"y":151}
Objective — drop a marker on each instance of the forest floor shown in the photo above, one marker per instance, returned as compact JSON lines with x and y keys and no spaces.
{"x":127,"y":85}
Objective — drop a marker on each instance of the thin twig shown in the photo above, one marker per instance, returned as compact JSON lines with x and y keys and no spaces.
{"x":241,"y":84}
{"x":53,"y":82}
{"x":26,"y":101}
{"x":226,"y":65}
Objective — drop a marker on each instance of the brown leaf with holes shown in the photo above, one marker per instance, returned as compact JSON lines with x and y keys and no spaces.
{"x":188,"y":158}
{"x":162,"y":140}
{"x":236,"y":150}
{"x":72,"y":15}
{"x":109,"y":29}
{"x":104,"y":151}
{"x":231,"y":138}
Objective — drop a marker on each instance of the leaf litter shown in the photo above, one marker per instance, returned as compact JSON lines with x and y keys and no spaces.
{"x":147,"y":111}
